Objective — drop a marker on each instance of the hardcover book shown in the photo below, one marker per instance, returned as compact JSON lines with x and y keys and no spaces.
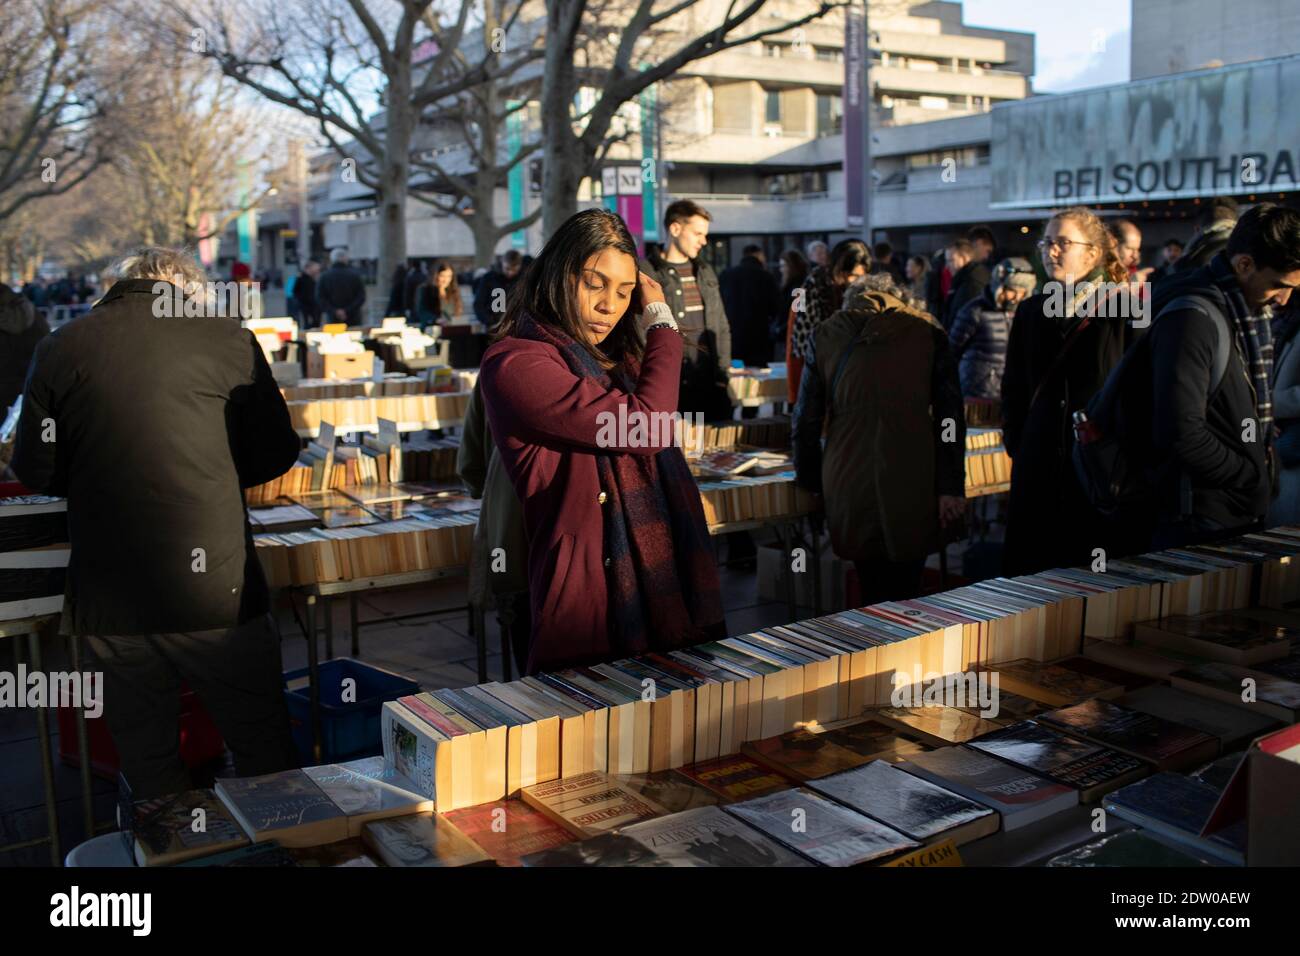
{"x":673,"y":791}
{"x":1177,"y":807}
{"x":367,"y":790}
{"x":1227,"y":637}
{"x":936,"y":726}
{"x":802,"y":755}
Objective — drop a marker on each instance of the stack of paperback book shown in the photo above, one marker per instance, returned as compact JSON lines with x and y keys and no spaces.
{"x":427,"y":411}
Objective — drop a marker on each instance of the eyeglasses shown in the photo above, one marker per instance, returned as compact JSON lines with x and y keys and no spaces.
{"x":1063,"y":245}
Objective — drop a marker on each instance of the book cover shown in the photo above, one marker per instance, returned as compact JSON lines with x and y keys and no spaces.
{"x":668,"y":789}
{"x":422,"y":839}
{"x":735,"y":777}
{"x":590,"y":803}
{"x":287,"y":807}
{"x":1088,"y":767}
{"x":802,"y":755}
{"x":1227,"y":637}
{"x":871,"y":739}
{"x":937,"y":726}
{"x":1051,"y":684}
{"x":1242,"y":687}
{"x":1177,"y":807}
{"x":507,"y":830}
{"x":607,"y":849}
{"x":911,"y":805}
{"x":1168,"y":745}
{"x":820,"y":829}
{"x":368,"y":790}
{"x":1234,"y":727}
{"x":168,"y":830}
{"x":707,"y":837}
{"x":1019,"y":796}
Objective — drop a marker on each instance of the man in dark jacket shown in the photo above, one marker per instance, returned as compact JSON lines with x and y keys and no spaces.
{"x":21,"y":329}
{"x":304,"y":293}
{"x":880,"y":377}
{"x":150,"y":423}
{"x":415,"y":277}
{"x":970,"y":277}
{"x":692,"y":292}
{"x":752,"y":298}
{"x":341,"y":291}
{"x":1211,"y":361}
{"x":493,"y":287}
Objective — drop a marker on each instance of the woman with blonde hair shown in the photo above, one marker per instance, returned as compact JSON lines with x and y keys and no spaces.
{"x":1062,"y":348}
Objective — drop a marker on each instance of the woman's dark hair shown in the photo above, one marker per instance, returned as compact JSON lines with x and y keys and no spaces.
{"x":434,"y":298}
{"x":922,"y":263}
{"x":548,"y":290}
{"x":796,"y":268}
{"x":1269,"y":234}
{"x":847,"y":255}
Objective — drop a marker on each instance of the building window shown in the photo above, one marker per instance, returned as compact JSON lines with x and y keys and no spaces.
{"x":773,"y":106}
{"x":829,"y":54}
{"x":772,"y":50}
{"x":830,"y":114}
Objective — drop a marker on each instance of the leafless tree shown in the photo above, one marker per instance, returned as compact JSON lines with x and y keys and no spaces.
{"x":644,"y":42}
{"x":53,"y":98}
{"x":364,"y":72}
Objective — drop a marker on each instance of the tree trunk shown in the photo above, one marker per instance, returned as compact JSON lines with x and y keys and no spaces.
{"x":485,"y":231}
{"x":390,"y":197}
{"x":562,"y":169}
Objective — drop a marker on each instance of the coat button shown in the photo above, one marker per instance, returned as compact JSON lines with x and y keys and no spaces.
{"x":602,"y":497}
{"x":607,"y":562}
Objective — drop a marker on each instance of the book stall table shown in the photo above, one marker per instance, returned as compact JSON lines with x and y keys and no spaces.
{"x":31,"y":628}
{"x":373,"y":429}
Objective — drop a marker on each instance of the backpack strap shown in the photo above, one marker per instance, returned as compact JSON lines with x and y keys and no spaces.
{"x":1222,"y":336}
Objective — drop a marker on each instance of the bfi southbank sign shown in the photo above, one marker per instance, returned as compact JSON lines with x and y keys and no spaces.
{"x":1233,"y":130}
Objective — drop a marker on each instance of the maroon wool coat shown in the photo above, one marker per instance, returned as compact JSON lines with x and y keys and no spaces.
{"x":546,"y":420}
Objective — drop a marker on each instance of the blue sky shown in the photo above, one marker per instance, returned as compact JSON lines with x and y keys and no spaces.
{"x":1080,"y":43}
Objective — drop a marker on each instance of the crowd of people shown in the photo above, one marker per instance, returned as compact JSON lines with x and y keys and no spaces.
{"x":1185,"y":374}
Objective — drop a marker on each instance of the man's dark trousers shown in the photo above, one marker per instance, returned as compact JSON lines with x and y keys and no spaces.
{"x":237,"y":674}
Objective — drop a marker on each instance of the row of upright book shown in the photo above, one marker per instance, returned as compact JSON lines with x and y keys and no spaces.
{"x":427,"y":410}
{"x":314,"y":390}
{"x":897,"y":786}
{"x":662,"y":711}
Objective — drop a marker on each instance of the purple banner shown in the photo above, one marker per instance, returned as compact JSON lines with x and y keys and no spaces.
{"x":855,"y":116}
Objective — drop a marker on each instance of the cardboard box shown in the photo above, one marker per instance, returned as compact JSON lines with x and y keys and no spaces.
{"x":340,"y":364}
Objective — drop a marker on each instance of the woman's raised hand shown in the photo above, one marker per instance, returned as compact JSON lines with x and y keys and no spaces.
{"x":651,"y":291}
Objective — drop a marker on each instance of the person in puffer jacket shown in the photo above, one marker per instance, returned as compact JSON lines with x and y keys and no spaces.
{"x":979,"y":333}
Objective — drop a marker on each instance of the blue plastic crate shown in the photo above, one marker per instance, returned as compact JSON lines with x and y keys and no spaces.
{"x":348,"y":730}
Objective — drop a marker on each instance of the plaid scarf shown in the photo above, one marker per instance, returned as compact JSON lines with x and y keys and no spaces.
{"x":662,"y":577}
{"x":1255,"y":338}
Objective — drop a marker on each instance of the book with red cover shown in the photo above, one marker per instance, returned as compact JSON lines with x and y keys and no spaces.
{"x":509,"y":829}
{"x":735,"y":777}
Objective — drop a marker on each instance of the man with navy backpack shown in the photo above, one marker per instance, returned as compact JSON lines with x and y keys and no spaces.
{"x":1211,"y":356}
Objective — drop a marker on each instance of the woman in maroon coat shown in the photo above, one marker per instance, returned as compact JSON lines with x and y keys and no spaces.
{"x":580,"y":389}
